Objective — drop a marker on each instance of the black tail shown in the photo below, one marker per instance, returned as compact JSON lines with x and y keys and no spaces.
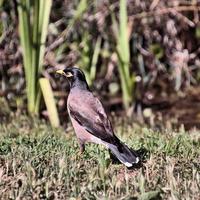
{"x":124,"y":154}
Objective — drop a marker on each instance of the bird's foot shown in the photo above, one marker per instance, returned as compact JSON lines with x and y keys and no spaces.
{"x":82,"y":148}
{"x":80,"y":153}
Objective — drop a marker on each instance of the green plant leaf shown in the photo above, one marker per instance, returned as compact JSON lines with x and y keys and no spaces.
{"x":33,"y":26}
{"x":49,"y":102}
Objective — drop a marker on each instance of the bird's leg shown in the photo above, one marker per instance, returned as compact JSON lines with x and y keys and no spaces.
{"x":82,"y":149}
{"x":82,"y":146}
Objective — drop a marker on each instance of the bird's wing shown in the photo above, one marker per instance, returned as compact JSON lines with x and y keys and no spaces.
{"x":90,"y":114}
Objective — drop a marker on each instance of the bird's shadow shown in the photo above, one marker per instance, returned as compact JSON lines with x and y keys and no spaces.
{"x":142,"y":153}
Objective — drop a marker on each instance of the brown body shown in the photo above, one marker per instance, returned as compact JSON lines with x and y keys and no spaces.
{"x":78,"y":101}
{"x":90,"y":120}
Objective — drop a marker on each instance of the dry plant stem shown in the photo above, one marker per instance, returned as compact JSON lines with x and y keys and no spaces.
{"x":165,"y":11}
{"x":64,"y":34}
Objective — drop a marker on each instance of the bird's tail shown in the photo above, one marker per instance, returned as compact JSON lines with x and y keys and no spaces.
{"x":124,"y":154}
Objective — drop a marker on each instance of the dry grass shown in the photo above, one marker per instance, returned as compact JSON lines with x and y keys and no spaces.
{"x":37,"y":162}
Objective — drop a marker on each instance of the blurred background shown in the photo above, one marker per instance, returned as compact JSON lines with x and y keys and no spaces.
{"x":140,"y":57}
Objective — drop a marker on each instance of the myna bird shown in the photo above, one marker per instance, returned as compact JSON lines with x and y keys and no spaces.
{"x":89,"y":118}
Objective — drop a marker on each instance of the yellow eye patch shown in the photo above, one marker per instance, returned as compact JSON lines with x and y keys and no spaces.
{"x":68,"y":74}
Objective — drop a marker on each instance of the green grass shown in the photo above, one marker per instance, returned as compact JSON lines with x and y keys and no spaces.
{"x":37,"y":162}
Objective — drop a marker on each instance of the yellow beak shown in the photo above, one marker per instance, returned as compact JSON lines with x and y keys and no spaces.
{"x":60,"y":71}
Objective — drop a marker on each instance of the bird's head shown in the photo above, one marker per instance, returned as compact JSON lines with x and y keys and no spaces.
{"x":75,"y":76}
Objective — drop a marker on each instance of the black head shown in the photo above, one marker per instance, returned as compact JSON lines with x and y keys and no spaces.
{"x":75,"y":76}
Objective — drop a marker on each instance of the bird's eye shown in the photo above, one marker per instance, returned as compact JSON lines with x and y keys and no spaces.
{"x":68,"y":74}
